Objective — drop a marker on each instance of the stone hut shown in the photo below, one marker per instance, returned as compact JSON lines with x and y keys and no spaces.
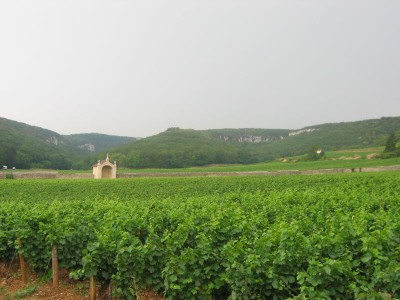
{"x":105,"y":169}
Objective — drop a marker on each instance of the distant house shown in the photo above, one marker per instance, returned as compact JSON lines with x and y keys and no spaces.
{"x":105,"y":169}
{"x":4,"y":167}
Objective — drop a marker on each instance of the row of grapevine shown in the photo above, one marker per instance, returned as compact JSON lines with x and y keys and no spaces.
{"x":289,"y":237}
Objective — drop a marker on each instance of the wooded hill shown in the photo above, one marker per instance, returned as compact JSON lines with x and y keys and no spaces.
{"x":25,"y":146}
{"x":185,"y":147}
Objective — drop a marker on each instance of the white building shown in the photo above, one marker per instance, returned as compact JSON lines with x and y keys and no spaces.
{"x":105,"y":169}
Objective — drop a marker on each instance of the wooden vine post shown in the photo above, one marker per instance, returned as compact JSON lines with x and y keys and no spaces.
{"x":110,"y":291}
{"x":22,"y":263}
{"x":92,"y":289}
{"x":54,"y":264}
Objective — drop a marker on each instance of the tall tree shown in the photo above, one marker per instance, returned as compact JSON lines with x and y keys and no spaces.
{"x":390,"y":143}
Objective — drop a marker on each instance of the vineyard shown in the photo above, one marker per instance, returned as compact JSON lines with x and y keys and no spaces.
{"x":283,"y":237}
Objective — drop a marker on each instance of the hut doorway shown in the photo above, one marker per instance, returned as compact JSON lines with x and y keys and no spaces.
{"x":106,"y":172}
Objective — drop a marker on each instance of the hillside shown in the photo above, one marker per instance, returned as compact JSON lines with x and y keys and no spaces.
{"x":95,"y":142}
{"x":184,"y":147}
{"x":330,"y":136}
{"x":24,"y":146}
{"x":176,"y":148}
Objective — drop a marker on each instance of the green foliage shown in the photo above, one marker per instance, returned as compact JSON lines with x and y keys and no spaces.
{"x":23,"y":146}
{"x":19,"y":294}
{"x":315,"y":153}
{"x":299,"y":165}
{"x":101,"y":142}
{"x":285,"y":237}
{"x":390,"y":143}
{"x":391,"y":149}
{"x":9,"y":175}
{"x":177,"y":148}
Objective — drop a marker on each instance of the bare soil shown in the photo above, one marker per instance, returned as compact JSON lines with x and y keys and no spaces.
{"x":12,"y":287}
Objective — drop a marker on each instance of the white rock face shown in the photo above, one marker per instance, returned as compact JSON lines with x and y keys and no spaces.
{"x":223,"y":137}
{"x":301,"y":131}
{"x":249,"y":138}
{"x":54,"y":140}
{"x":88,"y":147}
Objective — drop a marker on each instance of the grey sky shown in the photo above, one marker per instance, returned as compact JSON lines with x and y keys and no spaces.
{"x":64,"y":65}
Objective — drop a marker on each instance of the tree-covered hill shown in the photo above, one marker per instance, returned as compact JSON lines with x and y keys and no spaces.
{"x":331,"y":136}
{"x":183,"y":147}
{"x":23,"y":146}
{"x":95,"y":142}
{"x":176,"y":148}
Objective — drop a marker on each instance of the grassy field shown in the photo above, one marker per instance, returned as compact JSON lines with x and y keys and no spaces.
{"x":354,"y":158}
{"x":277,"y":166}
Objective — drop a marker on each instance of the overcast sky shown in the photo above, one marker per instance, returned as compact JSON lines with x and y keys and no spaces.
{"x":135,"y":68}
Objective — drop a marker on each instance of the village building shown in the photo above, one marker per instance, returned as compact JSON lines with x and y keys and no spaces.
{"x":105,"y":169}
